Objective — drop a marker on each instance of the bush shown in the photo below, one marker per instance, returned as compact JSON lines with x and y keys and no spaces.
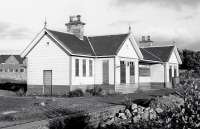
{"x":74,"y":122}
{"x":20,"y":92}
{"x":76,"y":93}
{"x":96,"y":91}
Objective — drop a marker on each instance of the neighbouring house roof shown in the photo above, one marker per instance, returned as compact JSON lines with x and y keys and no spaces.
{"x":158,"y":53}
{"x":3,"y":58}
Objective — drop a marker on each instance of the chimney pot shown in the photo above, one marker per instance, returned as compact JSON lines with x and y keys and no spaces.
{"x":148,"y":38}
{"x":78,"y":17}
{"x":70,"y":18}
{"x":143,"y":38}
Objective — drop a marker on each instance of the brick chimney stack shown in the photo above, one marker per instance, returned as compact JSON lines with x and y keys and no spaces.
{"x":76,"y":26}
{"x":146,"y":41}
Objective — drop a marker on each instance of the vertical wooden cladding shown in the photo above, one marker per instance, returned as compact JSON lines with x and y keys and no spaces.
{"x":105,"y":72}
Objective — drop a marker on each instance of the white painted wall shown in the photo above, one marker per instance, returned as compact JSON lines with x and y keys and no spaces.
{"x":173,"y":58}
{"x":99,"y":70}
{"x":145,"y":79}
{"x":157,"y":73}
{"x":47,"y":57}
{"x":127,"y":50}
{"x":173,"y":62}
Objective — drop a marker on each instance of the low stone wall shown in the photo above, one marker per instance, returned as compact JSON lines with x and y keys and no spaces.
{"x":103,"y":114}
{"x":95,"y":118}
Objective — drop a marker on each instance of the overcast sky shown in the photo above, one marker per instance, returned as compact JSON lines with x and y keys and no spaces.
{"x":164,"y":20}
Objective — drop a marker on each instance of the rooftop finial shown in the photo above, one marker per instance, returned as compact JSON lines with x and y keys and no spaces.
{"x":129,"y":29}
{"x":45,"y":22}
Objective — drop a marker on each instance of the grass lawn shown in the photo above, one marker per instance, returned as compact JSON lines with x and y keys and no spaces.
{"x":19,"y":109}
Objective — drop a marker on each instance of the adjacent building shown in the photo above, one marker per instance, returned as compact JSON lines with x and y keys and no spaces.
{"x":12,"y":67}
{"x":59,"y":62}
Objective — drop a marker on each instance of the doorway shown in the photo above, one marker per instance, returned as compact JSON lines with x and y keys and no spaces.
{"x":122,"y":72}
{"x":47,"y":81}
{"x":105,"y":72}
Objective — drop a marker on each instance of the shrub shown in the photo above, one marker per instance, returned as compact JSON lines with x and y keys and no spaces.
{"x":76,"y":93}
{"x":96,"y":91}
{"x":72,"y":122}
{"x":20,"y":92}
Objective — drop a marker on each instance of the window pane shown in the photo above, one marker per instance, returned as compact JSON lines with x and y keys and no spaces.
{"x":132,"y":69}
{"x":21,"y":70}
{"x":122,"y":72}
{"x":144,"y":71}
{"x":84,"y":67}
{"x":77,"y":67}
{"x":91,"y":68}
{"x":175,"y":72}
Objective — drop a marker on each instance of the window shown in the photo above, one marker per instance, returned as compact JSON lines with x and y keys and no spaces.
{"x":132,"y":69}
{"x":175,"y":72}
{"x":1,"y":70}
{"x":21,"y":70}
{"x":6,"y":70}
{"x":16,"y":70}
{"x":90,"y":67}
{"x":77,"y":67}
{"x":84,"y":67}
{"x":144,"y":71}
{"x":122,"y":72}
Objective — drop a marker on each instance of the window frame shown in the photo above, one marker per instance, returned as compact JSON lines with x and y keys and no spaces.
{"x":21,"y":70}
{"x":77,"y":73}
{"x":84,"y":67}
{"x":144,"y":71}
{"x":90,"y":68}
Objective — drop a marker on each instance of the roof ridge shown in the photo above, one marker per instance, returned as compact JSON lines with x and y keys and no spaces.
{"x":152,"y":54}
{"x":60,"y":31}
{"x":159,"y":46}
{"x":107,"y":35}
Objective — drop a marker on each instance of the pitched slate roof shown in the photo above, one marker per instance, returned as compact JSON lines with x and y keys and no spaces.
{"x":160,"y":53}
{"x":102,"y":45}
{"x":3,"y":58}
{"x":74,"y":44}
{"x":108,"y":44}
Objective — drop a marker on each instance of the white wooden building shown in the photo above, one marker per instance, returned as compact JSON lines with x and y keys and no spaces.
{"x":58,"y":62}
